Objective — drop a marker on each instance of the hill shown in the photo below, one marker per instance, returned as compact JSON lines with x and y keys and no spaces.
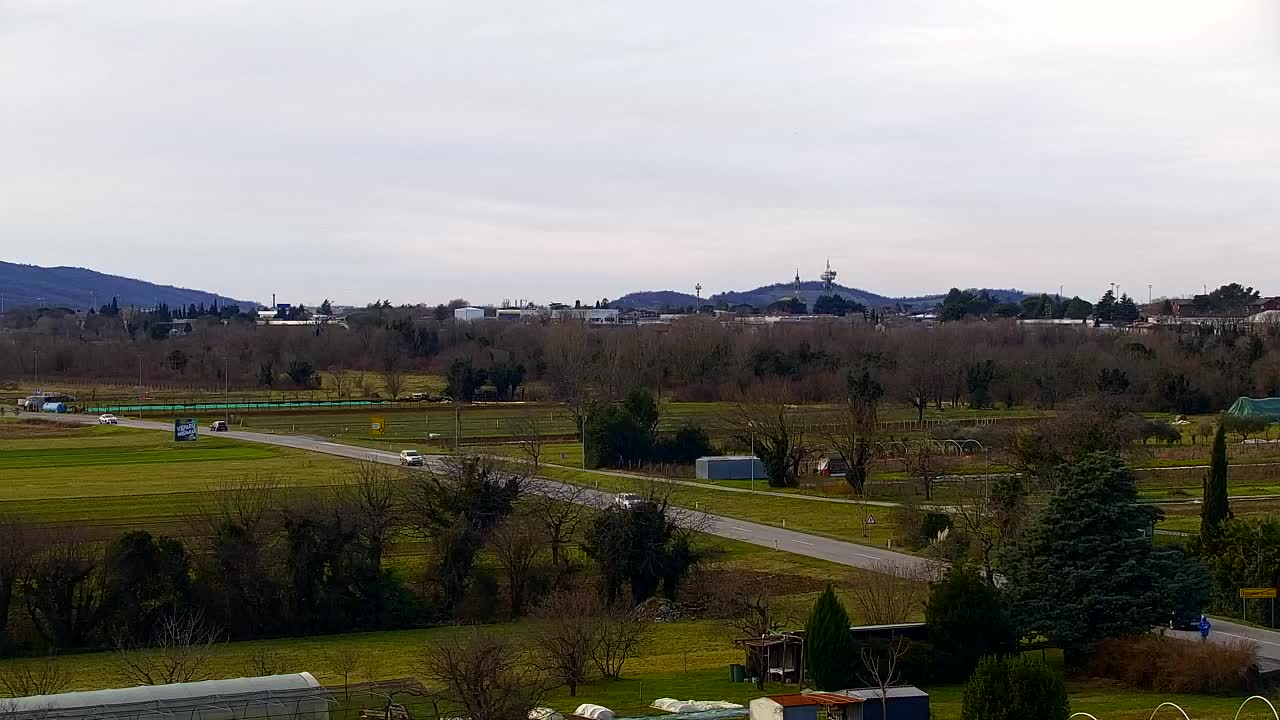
{"x":79,"y":288}
{"x":809,"y":292}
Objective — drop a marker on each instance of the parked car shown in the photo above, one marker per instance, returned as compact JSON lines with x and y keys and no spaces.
{"x":108,"y":419}
{"x":219,"y":426}
{"x":412,"y":457}
{"x":1185,"y":620}
{"x":628,"y":501}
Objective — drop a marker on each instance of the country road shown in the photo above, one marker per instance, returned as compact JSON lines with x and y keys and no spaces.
{"x":836,"y":551}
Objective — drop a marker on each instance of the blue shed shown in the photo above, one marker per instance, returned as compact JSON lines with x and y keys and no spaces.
{"x":901,"y":703}
{"x":730,"y":467}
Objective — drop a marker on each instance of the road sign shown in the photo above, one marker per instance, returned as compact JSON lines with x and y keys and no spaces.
{"x":185,"y":430}
{"x":871,"y":520}
{"x":1257,"y":593}
{"x":377,"y":425}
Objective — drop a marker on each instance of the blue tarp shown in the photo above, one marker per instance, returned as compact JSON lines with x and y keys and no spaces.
{"x":1256,"y":407}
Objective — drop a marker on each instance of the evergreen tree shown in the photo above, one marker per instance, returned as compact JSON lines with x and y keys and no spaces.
{"x":1215,"y":507}
{"x":830,"y":653}
{"x":1106,"y":308}
{"x":1085,"y":569}
{"x":967,"y":621}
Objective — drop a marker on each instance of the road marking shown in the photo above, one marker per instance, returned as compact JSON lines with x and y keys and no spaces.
{"x":1245,"y":637}
{"x":802,"y":542}
{"x":735,"y":527}
{"x":869,"y":557}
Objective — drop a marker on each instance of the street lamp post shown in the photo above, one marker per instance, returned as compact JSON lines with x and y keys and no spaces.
{"x":753,"y":457}
{"x":35,"y":368}
{"x":139,"y":386}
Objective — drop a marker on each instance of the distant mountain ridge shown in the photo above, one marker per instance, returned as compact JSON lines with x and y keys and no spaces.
{"x":810,"y":290}
{"x":80,"y":288}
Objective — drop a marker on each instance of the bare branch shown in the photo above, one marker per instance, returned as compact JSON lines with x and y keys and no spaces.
{"x":180,"y":649}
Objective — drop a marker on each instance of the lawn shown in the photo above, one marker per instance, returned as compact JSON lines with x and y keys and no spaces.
{"x":115,"y":475}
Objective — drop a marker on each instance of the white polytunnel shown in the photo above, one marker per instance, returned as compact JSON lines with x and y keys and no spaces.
{"x":296,"y":696}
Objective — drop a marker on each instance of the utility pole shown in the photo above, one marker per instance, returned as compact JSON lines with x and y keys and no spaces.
{"x":139,"y":381}
{"x":35,"y":354}
{"x":226,"y":389}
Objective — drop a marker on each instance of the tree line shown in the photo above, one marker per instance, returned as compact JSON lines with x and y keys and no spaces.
{"x":263,"y":560}
{"x":985,"y":365}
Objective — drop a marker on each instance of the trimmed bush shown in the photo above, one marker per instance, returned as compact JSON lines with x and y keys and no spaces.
{"x":1017,"y":689}
{"x":1165,"y":664}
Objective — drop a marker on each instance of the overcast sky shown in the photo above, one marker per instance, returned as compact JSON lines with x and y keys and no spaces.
{"x":426,"y":150}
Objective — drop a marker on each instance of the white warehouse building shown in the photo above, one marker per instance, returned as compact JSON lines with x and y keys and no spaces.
{"x":297,"y":697}
{"x":468,"y":314}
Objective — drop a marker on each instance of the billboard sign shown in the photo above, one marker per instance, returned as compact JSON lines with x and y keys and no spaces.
{"x":185,"y":430}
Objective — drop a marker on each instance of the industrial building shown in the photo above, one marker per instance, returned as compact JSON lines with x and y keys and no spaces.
{"x":468,"y":314}
{"x":730,"y":467}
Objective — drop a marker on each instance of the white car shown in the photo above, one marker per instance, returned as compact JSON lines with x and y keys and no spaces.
{"x":628,"y":501}
{"x":108,"y":419}
{"x":412,"y":457}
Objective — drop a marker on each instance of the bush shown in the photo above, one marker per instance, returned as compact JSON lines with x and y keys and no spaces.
{"x":1017,"y":689}
{"x":684,"y":446}
{"x":967,"y":621}
{"x":1165,"y":664}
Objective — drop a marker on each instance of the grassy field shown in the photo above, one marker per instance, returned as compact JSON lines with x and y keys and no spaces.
{"x":114,"y":475}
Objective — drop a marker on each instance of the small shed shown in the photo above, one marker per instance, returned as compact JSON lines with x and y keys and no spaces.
{"x":811,"y":706}
{"x":778,"y":657}
{"x":730,"y":467}
{"x":900,"y":703}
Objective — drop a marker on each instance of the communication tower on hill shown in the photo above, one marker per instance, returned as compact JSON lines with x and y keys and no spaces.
{"x":828,"y":278}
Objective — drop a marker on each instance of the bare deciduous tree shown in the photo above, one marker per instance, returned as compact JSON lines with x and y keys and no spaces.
{"x":623,"y":633}
{"x":780,"y":436}
{"x":393,"y":382}
{"x":920,"y":463}
{"x":180,"y":649}
{"x":344,"y":662}
{"x":559,"y":508}
{"x":15,"y":554}
{"x":342,"y":381}
{"x":528,"y":433}
{"x":486,"y":677}
{"x":891,"y":594}
{"x":371,"y":497}
{"x":567,"y":635}
{"x":41,"y":676}
{"x":516,"y":544}
{"x":882,"y":670}
{"x":850,"y":434}
{"x":264,"y":661}
{"x":990,"y":512}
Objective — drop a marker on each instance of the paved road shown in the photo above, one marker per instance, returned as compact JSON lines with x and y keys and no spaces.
{"x":843,"y":553}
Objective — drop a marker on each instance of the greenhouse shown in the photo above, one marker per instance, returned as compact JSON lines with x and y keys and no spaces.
{"x":297,"y":696}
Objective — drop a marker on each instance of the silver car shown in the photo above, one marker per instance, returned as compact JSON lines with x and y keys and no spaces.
{"x":628,"y":501}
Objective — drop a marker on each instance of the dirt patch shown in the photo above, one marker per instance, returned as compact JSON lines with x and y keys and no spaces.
{"x":19,"y":429}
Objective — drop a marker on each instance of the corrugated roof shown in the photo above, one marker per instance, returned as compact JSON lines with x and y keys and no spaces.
{"x":818,"y":698}
{"x":894,"y":692}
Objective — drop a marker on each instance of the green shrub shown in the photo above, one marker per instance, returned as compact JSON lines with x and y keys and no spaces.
{"x":967,"y":621}
{"x":1017,"y":689}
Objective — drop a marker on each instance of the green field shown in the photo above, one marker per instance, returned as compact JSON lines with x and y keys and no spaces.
{"x":111,"y":474}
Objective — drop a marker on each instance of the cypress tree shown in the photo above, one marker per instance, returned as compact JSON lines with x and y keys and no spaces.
{"x":829,"y":651}
{"x":1215,"y":508}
